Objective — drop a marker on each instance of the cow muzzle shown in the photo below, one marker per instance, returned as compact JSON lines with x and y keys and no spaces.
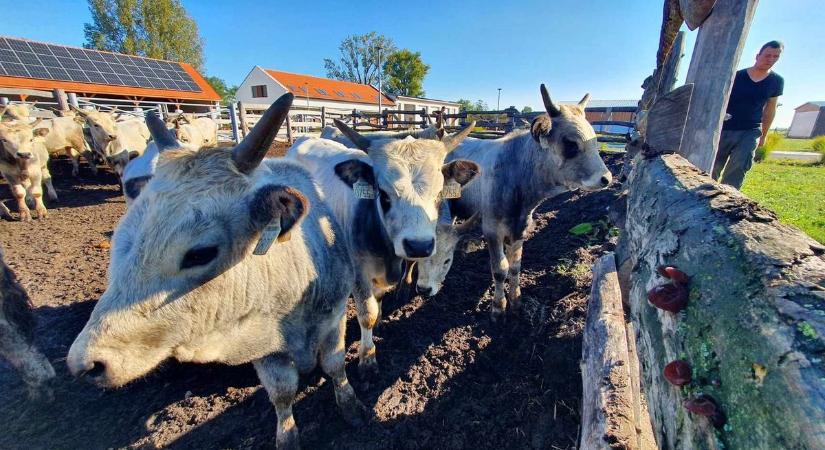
{"x":24,"y":155}
{"x":418,"y":248}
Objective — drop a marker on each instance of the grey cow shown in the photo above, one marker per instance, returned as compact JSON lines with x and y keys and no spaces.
{"x":17,"y":335}
{"x":24,"y":165}
{"x":521,"y":170}
{"x":195,"y":275}
{"x":385,"y":195}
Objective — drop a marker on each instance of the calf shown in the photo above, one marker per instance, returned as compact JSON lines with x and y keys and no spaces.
{"x":198,"y":131}
{"x":196,"y":274}
{"x":433,"y":270}
{"x":521,"y":170}
{"x":23,"y":163}
{"x":66,"y":136}
{"x":115,"y":140}
{"x":385,"y":196}
{"x":17,"y":335}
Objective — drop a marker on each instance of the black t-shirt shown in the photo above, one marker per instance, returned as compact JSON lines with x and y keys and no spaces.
{"x":747,"y":100}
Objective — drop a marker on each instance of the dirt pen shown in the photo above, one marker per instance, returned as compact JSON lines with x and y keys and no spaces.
{"x":449,"y":379}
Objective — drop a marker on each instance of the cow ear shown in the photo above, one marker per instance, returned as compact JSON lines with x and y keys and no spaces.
{"x":278,"y":205}
{"x":540,"y":126}
{"x":460,"y":170}
{"x":41,"y":131}
{"x":352,"y":170}
{"x":133,"y":154}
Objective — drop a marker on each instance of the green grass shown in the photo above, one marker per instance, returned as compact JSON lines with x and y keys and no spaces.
{"x":795,"y":145}
{"x":794,"y":191}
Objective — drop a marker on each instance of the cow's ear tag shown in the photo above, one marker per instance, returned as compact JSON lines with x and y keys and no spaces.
{"x":268,"y":236}
{"x":451,"y":190}
{"x":363,"y":190}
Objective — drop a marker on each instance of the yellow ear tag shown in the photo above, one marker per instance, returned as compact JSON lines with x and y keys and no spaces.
{"x":363,"y":190}
{"x":451,"y":190}
{"x":268,"y":236}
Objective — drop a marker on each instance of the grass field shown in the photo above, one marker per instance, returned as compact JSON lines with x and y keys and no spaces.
{"x":795,"y":192}
{"x":795,"y":145}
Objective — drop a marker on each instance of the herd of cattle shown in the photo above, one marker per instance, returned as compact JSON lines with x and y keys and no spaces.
{"x":224,"y":255}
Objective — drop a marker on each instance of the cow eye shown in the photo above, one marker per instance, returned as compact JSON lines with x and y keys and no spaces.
{"x":570,"y":148}
{"x":385,"y":200}
{"x":198,"y":256}
{"x":447,"y":261}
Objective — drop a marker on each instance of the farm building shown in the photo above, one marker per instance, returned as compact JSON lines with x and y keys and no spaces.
{"x":31,"y":71}
{"x":619,"y":110}
{"x":429,"y":105}
{"x":808,"y":120}
{"x":264,"y":86}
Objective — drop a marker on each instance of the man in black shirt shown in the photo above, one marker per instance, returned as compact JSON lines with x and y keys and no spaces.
{"x":752,"y":107}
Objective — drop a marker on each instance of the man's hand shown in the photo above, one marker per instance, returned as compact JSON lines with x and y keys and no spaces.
{"x":761,"y":140}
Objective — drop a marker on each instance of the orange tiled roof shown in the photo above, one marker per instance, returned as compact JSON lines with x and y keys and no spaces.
{"x":326,"y":89}
{"x":206,"y":92}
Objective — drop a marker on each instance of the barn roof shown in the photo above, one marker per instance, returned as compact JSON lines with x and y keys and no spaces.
{"x":325,"y":89}
{"x":820,"y":104}
{"x":30,"y":64}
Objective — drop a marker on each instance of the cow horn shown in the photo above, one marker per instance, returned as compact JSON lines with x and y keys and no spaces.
{"x":251,"y":151}
{"x":468,"y":225}
{"x":356,"y":138}
{"x":34,"y":124}
{"x":548,"y":104}
{"x":160,"y":134}
{"x":452,"y":141}
{"x":584,"y":100}
{"x":2,"y":110}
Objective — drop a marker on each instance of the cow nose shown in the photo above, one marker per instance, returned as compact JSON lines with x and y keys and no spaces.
{"x":112,"y":137}
{"x":419,"y":248}
{"x":98,"y":368}
{"x":425,"y":290}
{"x":606,"y":179}
{"x":24,"y":155}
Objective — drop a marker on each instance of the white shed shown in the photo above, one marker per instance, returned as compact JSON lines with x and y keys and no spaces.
{"x":808,"y":120}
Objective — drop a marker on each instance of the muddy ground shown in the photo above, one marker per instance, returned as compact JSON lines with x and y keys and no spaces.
{"x":449,"y":378}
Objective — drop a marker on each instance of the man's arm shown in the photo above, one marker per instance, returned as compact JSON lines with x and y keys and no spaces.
{"x":768,"y":113}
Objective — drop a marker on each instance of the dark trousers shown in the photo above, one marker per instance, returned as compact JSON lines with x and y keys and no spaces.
{"x":735,"y":155}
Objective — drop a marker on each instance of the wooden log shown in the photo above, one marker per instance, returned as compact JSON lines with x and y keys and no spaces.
{"x":644,"y":428}
{"x":242,"y":119}
{"x":754,"y":327}
{"x":607,"y":400}
{"x":289,"y":129}
{"x":323,"y":116}
{"x":60,"y":98}
{"x":695,"y":11}
{"x":712,"y":66}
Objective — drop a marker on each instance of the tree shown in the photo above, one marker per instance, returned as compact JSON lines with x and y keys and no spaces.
{"x":468,"y":105}
{"x":153,"y":28}
{"x":526,"y":110}
{"x":405,"y":73}
{"x":359,"y":58}
{"x":227,"y":93}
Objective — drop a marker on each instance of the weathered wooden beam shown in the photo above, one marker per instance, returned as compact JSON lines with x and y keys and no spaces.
{"x":288,"y":129}
{"x":242,"y":119}
{"x":753,"y":330}
{"x":60,"y":98}
{"x":607,"y":400}
{"x":712,"y":66}
{"x":695,"y":11}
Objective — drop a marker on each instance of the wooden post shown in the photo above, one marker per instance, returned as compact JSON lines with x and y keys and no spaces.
{"x":72,"y":97}
{"x":670,"y":71}
{"x":323,"y":116}
{"x":288,"y":129}
{"x":354,"y":119}
{"x":60,"y":98}
{"x":4,"y":101}
{"x":233,"y":120}
{"x":242,"y":118}
{"x":712,"y":66}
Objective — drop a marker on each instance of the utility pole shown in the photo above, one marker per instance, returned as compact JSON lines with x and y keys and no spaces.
{"x":380,"y":73}
{"x":499,"y":100}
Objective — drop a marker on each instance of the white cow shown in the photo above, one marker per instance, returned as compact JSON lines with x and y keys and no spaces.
{"x":227,"y":257}
{"x":24,"y":165}
{"x":386,"y":197}
{"x":115,"y":139}
{"x":197,"y":131}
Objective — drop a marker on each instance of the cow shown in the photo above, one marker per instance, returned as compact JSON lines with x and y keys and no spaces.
{"x":116,"y":140}
{"x":17,"y":111}
{"x":141,"y":169}
{"x":199,"y":131}
{"x":519,"y":171}
{"x":227,"y":257}
{"x":385,"y":196}
{"x":435,"y":131}
{"x":24,"y":165}
{"x":17,"y":325}
{"x":66,"y":136}
{"x":433,"y":270}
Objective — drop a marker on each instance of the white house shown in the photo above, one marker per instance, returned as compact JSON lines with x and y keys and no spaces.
{"x":808,"y":121}
{"x":430,"y":105}
{"x":264,"y":86}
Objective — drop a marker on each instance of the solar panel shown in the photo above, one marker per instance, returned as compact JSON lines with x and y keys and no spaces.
{"x":21,"y":58}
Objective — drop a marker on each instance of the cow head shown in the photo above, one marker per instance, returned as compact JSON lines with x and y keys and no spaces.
{"x":17,"y":139}
{"x":17,"y":111}
{"x":433,"y":270}
{"x":102,"y":127}
{"x":570,"y":145}
{"x":138,"y":172}
{"x":406,"y":179}
{"x":181,"y":265}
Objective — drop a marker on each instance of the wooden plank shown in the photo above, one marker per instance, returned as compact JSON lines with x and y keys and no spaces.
{"x":666,"y":120}
{"x":242,"y":118}
{"x":644,"y":427}
{"x":607,"y":400}
{"x":712,"y":66}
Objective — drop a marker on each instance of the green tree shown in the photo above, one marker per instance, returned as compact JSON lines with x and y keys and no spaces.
{"x":469,"y":105}
{"x":227,"y":93}
{"x":359,"y":58}
{"x":405,"y":73}
{"x":526,"y":110}
{"x":159,"y":29}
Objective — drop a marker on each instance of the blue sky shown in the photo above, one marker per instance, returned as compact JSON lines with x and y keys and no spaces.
{"x":603,"y":47}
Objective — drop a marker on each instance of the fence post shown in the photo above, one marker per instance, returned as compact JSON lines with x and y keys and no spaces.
{"x":233,"y":121}
{"x":60,"y":98}
{"x":242,"y":118}
{"x":288,"y":129}
{"x":72,"y":97}
{"x":4,"y":101}
{"x":323,"y":116}
{"x":354,"y":119}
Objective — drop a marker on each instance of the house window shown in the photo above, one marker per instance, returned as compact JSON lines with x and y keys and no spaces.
{"x":356,"y":96}
{"x":339,"y":93}
{"x":259,"y":91}
{"x":321,"y":91}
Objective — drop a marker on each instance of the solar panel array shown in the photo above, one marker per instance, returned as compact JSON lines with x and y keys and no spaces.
{"x":21,"y":58}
